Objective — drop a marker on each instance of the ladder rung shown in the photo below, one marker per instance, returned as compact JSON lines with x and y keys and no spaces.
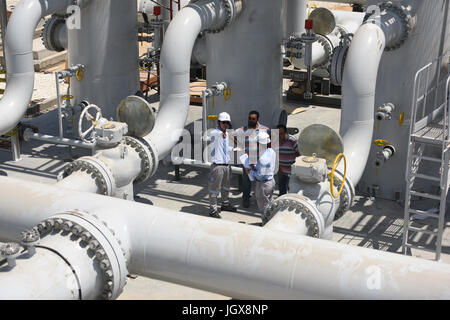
{"x":422,"y":230}
{"x":426,"y":177}
{"x":428,"y":158}
{"x":425,"y":195}
{"x":419,"y":247}
{"x":431,"y":215}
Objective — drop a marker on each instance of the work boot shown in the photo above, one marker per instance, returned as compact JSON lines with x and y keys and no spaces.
{"x":228,"y":207}
{"x":246,"y":203}
{"x":214,"y":214}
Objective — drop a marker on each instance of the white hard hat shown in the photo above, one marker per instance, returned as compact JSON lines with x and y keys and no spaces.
{"x":263,"y":137}
{"x":223,"y":116}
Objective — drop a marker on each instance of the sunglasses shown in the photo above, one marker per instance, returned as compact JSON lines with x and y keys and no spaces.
{"x":225,"y":122}
{"x":251,"y":118}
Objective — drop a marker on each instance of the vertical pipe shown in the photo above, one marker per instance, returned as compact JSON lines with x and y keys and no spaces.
{"x":15,"y":147}
{"x":296,"y":15}
{"x":4,"y":22}
{"x":58,"y":101}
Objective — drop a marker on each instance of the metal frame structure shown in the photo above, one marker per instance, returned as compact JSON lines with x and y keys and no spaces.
{"x":433,"y":130}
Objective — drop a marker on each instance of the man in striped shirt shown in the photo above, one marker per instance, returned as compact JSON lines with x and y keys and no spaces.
{"x":288,"y":152}
{"x":247,"y":136}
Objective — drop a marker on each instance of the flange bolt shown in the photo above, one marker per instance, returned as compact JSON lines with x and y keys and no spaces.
{"x":10,"y":251}
{"x":29,"y":239}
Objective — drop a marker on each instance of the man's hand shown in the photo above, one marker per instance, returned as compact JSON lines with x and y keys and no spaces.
{"x":237,"y":150}
{"x":247,"y":171}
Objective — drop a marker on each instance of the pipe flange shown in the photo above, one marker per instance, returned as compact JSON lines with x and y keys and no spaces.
{"x":346,"y":197}
{"x":337,"y":64}
{"x":48,"y":34}
{"x":99,"y":172}
{"x":149,"y":158}
{"x":341,"y":30}
{"x":229,"y":7}
{"x":327,"y":45}
{"x":405,"y":18}
{"x":301,"y":205}
{"x":104,"y":246}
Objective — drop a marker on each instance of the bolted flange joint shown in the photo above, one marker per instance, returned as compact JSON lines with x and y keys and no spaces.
{"x":301,"y":207}
{"x":30,"y":239}
{"x":99,"y":242}
{"x":10,"y":251}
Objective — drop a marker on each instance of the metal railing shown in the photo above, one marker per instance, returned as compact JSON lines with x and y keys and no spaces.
{"x":424,"y":87}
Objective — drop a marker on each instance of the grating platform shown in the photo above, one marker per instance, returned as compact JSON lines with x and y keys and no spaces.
{"x":432,"y":133}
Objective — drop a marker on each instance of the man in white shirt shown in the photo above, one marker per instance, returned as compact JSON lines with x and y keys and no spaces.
{"x":263,"y":172}
{"x":220,"y":174}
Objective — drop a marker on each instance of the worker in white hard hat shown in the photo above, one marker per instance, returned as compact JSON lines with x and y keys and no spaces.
{"x":263,"y":172}
{"x":220,"y":174}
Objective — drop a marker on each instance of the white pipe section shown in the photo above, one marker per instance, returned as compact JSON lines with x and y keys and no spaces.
{"x":60,"y":269}
{"x":350,"y":21}
{"x":239,"y":261}
{"x":79,"y":181}
{"x":201,"y":164}
{"x":296,"y":12}
{"x":358,"y":97}
{"x":19,"y":57}
{"x":176,"y":54}
{"x":44,"y":276}
{"x":30,"y":135}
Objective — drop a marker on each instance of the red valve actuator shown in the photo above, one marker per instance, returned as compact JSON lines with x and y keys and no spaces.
{"x":156,"y":10}
{"x":309,"y":24}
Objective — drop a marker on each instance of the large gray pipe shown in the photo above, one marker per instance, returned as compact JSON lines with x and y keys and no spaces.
{"x":235,"y":260}
{"x":175,"y":67}
{"x":19,"y":57}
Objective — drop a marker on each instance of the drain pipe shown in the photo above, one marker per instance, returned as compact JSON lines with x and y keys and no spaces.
{"x":176,"y":52}
{"x":19,"y":57}
{"x":239,"y":261}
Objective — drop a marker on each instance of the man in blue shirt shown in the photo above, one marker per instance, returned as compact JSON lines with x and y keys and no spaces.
{"x":263,"y":172}
{"x":246,"y":136}
{"x":220,"y":174}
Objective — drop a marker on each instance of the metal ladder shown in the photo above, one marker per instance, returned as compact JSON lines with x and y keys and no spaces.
{"x":431,"y":131}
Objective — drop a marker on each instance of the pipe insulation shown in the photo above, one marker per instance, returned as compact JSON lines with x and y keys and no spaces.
{"x":176,"y":52}
{"x":239,"y":261}
{"x":19,"y":57}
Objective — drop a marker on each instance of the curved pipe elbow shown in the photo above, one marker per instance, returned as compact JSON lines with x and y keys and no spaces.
{"x":358,"y":97}
{"x":19,"y":57}
{"x":176,"y":56}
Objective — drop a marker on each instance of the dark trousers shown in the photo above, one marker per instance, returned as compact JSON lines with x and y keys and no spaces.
{"x":246,"y":185}
{"x":283,"y":183}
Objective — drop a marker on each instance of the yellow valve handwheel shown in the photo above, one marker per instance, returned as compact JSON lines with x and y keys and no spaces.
{"x":309,"y":10}
{"x":67,"y":97}
{"x":381,"y":142}
{"x":79,"y":75}
{"x":336,"y":163}
{"x":227,"y":94}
